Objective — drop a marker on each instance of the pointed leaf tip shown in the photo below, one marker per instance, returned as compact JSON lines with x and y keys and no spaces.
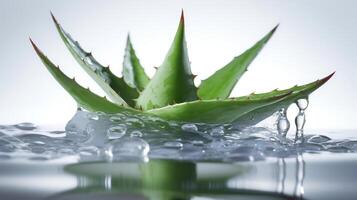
{"x":213,"y":87}
{"x":38,"y":51}
{"x":173,"y":79}
{"x":275,"y":28}
{"x":54,"y":18}
{"x":115,"y":87}
{"x":324,"y":80}
{"x":182,"y":18}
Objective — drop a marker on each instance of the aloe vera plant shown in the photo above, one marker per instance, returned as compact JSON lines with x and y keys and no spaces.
{"x":171,"y":93}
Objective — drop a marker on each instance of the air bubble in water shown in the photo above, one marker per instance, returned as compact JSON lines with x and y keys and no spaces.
{"x":189,"y":128}
{"x":283,"y":123}
{"x":128,"y":147}
{"x":300,"y":120}
{"x":26,"y":126}
{"x":116,"y":132}
{"x":174,"y":144}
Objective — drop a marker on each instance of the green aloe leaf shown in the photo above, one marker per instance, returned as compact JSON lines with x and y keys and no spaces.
{"x":222,"y":82}
{"x":297,"y":92}
{"x":84,"y":97}
{"x":214,"y":111}
{"x":173,"y":81}
{"x":133,"y":73}
{"x":116,"y":88}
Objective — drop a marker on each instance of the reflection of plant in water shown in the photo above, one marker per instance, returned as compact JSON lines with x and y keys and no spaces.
{"x":171,"y":93}
{"x":164,"y":179}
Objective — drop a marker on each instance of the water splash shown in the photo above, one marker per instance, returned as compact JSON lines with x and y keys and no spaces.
{"x":283,"y":124}
{"x":98,"y":136}
{"x":300,"y":120}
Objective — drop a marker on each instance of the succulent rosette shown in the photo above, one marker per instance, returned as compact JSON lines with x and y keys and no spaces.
{"x":171,"y":93}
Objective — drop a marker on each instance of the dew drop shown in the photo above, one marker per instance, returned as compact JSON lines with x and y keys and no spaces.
{"x":189,"y":128}
{"x":116,"y":132}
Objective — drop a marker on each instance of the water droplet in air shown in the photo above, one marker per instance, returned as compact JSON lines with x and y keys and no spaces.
{"x":283,"y":123}
{"x":116,"y":132}
{"x":128,"y":147}
{"x":174,"y":144}
{"x":189,"y":128}
{"x":300,"y":119}
{"x":26,"y":126}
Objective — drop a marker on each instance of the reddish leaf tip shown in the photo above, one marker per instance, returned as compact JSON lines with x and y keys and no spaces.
{"x":182,"y":19}
{"x":324,"y":80}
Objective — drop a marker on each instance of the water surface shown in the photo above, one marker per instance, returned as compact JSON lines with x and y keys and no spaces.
{"x":101,"y":156}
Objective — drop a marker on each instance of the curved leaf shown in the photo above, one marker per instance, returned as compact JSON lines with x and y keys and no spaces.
{"x":84,"y":97}
{"x":133,"y":73}
{"x":222,"y":82}
{"x":173,"y":81}
{"x":115,"y":87}
{"x":297,"y":92}
{"x":214,"y":111}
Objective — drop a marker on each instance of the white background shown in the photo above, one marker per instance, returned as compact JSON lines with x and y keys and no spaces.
{"x":314,"y":39}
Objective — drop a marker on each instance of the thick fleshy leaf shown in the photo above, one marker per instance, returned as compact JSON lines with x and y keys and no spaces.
{"x":84,"y":97}
{"x":173,"y":81}
{"x":222,"y":82}
{"x":133,"y":73}
{"x":297,"y":92}
{"x":115,"y":87}
{"x":214,"y":111}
